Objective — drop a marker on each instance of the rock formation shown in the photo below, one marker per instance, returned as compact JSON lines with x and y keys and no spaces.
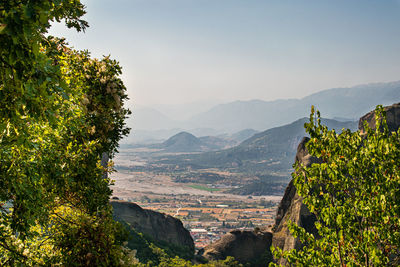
{"x":292,"y":208}
{"x":392,"y":118}
{"x":159,"y":226}
{"x":244,"y":246}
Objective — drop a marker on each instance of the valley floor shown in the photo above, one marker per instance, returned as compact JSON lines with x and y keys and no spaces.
{"x":207,"y":214}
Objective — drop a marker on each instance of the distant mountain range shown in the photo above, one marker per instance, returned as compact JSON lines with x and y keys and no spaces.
{"x":347,"y":103}
{"x":342,"y":103}
{"x":271,"y":151}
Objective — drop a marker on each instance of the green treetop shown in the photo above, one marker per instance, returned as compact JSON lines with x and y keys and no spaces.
{"x":355,"y":195}
{"x":60,"y":110}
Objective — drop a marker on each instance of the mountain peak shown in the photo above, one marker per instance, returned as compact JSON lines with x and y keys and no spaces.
{"x":182,"y":142}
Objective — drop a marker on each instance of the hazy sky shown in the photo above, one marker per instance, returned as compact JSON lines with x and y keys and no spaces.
{"x":180,"y":51}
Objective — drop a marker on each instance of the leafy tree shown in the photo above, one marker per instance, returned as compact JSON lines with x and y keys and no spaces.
{"x":355,"y":195}
{"x":60,"y":111}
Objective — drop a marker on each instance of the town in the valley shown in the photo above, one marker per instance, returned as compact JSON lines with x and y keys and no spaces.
{"x":205,"y":211}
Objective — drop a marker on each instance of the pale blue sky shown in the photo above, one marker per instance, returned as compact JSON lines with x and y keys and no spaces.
{"x":180,"y":51}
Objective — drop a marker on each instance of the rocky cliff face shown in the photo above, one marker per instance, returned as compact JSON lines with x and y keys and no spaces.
{"x":392,"y":118}
{"x":292,"y":208}
{"x":244,"y":246}
{"x":159,"y":226}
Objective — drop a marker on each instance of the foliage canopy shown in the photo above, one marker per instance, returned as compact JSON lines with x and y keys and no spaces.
{"x":355,"y":195}
{"x":60,"y":111}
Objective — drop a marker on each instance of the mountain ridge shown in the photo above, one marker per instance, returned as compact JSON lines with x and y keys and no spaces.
{"x":272,"y":149}
{"x":348,"y":103}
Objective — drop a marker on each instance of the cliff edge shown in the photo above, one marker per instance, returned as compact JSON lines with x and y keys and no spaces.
{"x":159,"y":226}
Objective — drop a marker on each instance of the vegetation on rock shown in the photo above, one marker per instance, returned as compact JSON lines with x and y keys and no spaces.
{"x":355,"y":195}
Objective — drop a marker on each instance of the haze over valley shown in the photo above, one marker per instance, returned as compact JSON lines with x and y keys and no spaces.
{"x":182,"y":133}
{"x":240,"y":153}
{"x":343,"y":104}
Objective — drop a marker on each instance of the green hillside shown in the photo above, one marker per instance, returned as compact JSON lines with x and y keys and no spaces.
{"x":271,"y":151}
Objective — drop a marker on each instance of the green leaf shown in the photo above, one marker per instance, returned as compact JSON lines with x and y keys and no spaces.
{"x":2,"y":28}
